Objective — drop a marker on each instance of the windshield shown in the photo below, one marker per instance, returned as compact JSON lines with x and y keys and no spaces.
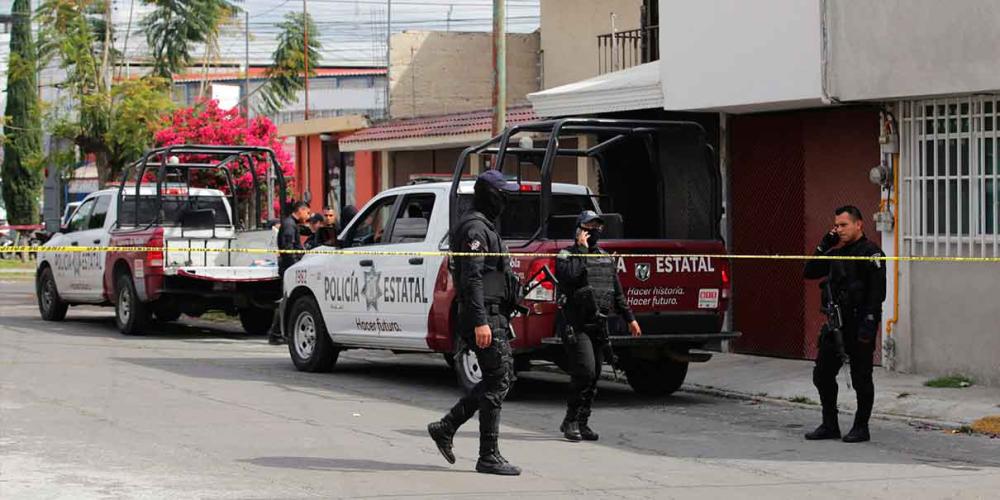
{"x":520,"y":219}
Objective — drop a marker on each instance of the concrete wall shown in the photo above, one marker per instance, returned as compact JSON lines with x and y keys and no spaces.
{"x":733,"y":53}
{"x":895,"y":48}
{"x":569,"y":30}
{"x":435,"y":73}
{"x":962,"y":338}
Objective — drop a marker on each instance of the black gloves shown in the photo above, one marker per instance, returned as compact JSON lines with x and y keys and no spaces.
{"x":829,"y":241}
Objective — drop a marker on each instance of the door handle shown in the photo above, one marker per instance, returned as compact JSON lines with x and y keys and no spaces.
{"x":367,"y":263}
{"x":416,"y":261}
{"x":74,"y":243}
{"x":97,"y":241}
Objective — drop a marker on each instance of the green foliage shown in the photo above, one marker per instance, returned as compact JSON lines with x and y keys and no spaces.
{"x":950,"y":382}
{"x":284,"y":78}
{"x":174,"y":27}
{"x":138,"y":107}
{"x":21,"y":171}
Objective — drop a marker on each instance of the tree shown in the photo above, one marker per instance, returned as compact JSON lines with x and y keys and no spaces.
{"x":174,"y":27}
{"x":285,"y":77}
{"x":206,"y":123}
{"x":77,"y":34}
{"x":21,"y":173}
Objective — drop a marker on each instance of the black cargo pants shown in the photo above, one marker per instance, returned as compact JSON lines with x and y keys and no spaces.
{"x":828,"y":363}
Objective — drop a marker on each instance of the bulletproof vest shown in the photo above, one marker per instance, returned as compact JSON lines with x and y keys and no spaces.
{"x":847,"y":280}
{"x":496,"y":282}
{"x":601,"y":275}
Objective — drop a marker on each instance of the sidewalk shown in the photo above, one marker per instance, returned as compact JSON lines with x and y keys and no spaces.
{"x":897,"y":395}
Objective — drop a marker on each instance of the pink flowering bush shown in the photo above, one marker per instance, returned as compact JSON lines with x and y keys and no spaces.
{"x":205,"y":123}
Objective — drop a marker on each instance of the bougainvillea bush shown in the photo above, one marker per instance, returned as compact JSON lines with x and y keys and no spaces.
{"x":206,"y":123}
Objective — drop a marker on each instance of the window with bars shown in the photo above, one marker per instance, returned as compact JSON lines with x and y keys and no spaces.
{"x":950,"y":183}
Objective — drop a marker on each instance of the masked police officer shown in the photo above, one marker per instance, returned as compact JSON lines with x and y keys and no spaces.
{"x":488,"y":292}
{"x":858,"y":288}
{"x":589,"y":292}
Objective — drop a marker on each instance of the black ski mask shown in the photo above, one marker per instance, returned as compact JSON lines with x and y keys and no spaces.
{"x":489,"y":200}
{"x":593,"y":235}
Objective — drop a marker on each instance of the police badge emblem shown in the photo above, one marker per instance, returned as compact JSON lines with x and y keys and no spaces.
{"x":642,"y":272}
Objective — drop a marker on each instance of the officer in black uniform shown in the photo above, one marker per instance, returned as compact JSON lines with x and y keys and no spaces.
{"x":858,"y":287}
{"x":589,"y":292}
{"x":488,"y":291}
{"x":288,"y":239}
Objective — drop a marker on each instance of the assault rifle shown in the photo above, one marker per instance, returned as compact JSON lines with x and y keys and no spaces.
{"x":834,"y":322}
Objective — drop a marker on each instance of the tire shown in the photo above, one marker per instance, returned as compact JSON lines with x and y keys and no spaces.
{"x":131,"y":314}
{"x":466,"y":366}
{"x":655,"y":378}
{"x":449,"y":358}
{"x":50,"y":305}
{"x":166,"y":313}
{"x":309,"y":343}
{"x":256,"y":321}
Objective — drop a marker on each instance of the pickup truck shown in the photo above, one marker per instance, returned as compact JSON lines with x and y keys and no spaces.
{"x":392,"y":289}
{"x":170,"y":224}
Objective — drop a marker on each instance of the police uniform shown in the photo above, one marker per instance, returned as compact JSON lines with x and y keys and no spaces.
{"x":589,"y":291}
{"x":858,"y":287}
{"x":487,"y":292}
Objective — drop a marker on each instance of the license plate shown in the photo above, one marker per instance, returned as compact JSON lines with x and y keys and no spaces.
{"x":708,"y":298}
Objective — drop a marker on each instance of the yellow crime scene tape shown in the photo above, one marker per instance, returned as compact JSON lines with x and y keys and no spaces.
{"x":446,"y":253}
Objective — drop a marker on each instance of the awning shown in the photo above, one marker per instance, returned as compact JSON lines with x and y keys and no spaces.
{"x":318,"y":126}
{"x":431,"y":132}
{"x":634,"y":88}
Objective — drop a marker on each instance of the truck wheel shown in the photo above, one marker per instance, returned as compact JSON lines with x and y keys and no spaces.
{"x":50,"y":305}
{"x":131,"y":314}
{"x":655,"y":378}
{"x":449,"y":358}
{"x":166,"y":314}
{"x":308,"y":341}
{"x":256,"y":321}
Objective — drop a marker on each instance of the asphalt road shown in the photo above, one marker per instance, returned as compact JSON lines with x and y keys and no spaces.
{"x":195,"y":410}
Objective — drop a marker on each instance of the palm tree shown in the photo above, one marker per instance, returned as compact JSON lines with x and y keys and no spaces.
{"x":174,"y":27}
{"x":285,"y":77}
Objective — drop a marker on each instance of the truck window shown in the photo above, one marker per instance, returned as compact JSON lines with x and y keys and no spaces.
{"x":371,"y":225}
{"x":413,"y":218}
{"x":174,"y":208}
{"x":100,"y":213}
{"x":81,"y":218}
{"x":520,"y":219}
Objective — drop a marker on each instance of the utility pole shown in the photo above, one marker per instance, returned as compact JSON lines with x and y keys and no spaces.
{"x":450,"y":8}
{"x":499,"y":66}
{"x":246,"y":68}
{"x":388,"y":51}
{"x":306,"y":195}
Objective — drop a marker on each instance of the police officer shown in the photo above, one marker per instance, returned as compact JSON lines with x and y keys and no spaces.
{"x":589,"y":292}
{"x":288,"y":239}
{"x":858,"y":287}
{"x":487,"y":290}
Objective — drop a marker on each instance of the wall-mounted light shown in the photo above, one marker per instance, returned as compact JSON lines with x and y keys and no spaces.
{"x":879,"y":175}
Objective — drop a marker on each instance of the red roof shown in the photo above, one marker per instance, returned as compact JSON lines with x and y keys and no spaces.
{"x":439,"y":125}
{"x":258,"y":73}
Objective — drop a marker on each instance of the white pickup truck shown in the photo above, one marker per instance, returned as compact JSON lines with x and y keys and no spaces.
{"x":169,"y":225}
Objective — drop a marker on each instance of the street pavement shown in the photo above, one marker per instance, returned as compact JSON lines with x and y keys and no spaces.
{"x":201,"y":410}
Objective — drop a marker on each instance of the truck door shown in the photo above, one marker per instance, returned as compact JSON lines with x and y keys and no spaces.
{"x":67,"y":265}
{"x":92,"y":263}
{"x":353,"y":285}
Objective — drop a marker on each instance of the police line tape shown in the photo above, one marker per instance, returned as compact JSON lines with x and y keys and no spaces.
{"x":446,"y":253}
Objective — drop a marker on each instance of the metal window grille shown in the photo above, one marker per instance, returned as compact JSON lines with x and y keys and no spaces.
{"x":949,"y":176}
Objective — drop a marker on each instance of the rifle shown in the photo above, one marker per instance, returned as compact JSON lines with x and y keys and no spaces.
{"x":516,"y":307}
{"x":834,"y":321}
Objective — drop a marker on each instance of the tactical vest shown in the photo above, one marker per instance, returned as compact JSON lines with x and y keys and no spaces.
{"x":496,"y":286}
{"x":601,"y":275}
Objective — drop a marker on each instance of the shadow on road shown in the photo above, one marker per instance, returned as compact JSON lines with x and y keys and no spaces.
{"x":342,"y":464}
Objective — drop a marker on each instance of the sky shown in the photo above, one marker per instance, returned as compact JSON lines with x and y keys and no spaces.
{"x":351,"y":31}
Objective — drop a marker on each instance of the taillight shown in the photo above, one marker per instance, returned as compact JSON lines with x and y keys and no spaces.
{"x":725,"y":283}
{"x":154,"y":258}
{"x":546,"y":290}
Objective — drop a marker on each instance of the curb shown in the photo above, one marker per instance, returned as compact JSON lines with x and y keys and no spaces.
{"x":742,"y":396}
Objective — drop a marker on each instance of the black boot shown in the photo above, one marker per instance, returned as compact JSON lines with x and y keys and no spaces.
{"x":443,"y":434}
{"x":858,"y":434}
{"x":570,"y":427}
{"x":586,"y":432}
{"x":829,"y":429}
{"x":490,"y":460}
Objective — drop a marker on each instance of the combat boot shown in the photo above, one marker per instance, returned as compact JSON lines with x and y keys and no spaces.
{"x":443,"y":435}
{"x":586,"y":432}
{"x":491,"y":461}
{"x":571,"y":430}
{"x":858,"y":434}
{"x":829,"y":429}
